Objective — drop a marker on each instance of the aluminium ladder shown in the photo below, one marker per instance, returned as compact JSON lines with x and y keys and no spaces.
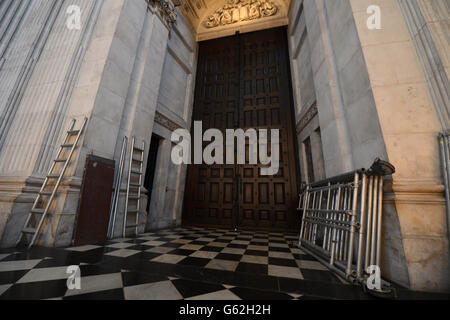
{"x":47,"y":193}
{"x":134,"y":182}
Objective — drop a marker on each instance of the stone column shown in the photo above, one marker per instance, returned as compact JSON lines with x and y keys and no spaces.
{"x":128,"y":86}
{"x":328,"y":86}
{"x":410,"y":125}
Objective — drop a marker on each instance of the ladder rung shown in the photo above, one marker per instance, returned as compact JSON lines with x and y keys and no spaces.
{"x":73,"y":132}
{"x":45,"y":193}
{"x":134,"y":197}
{"x":29,"y":230}
{"x":137,"y":160}
{"x":132,"y":211}
{"x":136,"y":185}
{"x":136,"y":172}
{"x":39,"y":211}
{"x":138,"y":149}
{"x":67,"y":145}
{"x":132,"y":226}
{"x":60,"y":160}
{"x":53,"y":176}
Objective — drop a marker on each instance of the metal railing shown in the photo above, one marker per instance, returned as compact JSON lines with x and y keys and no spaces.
{"x":342,"y":219}
{"x":444,"y":144}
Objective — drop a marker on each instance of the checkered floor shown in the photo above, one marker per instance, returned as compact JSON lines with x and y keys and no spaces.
{"x":183,"y":263}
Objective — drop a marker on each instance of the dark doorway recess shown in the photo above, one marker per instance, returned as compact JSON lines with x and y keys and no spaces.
{"x":151,"y":167}
{"x":93,"y":215}
{"x":243,"y":82}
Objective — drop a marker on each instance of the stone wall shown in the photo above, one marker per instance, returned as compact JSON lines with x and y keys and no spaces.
{"x":109,"y":71}
{"x":40,"y":64}
{"x":410,"y":124}
{"x":372,"y":99}
{"x":174,"y":110}
{"x":304,"y":93}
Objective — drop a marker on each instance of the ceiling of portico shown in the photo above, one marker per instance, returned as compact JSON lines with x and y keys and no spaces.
{"x":219,"y":18}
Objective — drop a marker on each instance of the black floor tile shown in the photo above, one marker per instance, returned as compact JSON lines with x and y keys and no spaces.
{"x":193,"y":261}
{"x":164,"y":239}
{"x":279,"y":249}
{"x":115,"y":294}
{"x":132,"y":278}
{"x":253,"y":294}
{"x":139,"y":247}
{"x":9,"y":277}
{"x":259,"y":243}
{"x":98,"y":269}
{"x":199,"y":243}
{"x":211,"y":249}
{"x":318,"y":275}
{"x":257,"y":253}
{"x":304,"y":257}
{"x":189,"y":288}
{"x":137,"y":241}
{"x":172,"y":245}
{"x":50,"y":263}
{"x":237,"y":246}
{"x":36,"y":290}
{"x":321,"y":289}
{"x":229,"y":256}
{"x":182,"y":252}
{"x":283,"y":262}
{"x":252,"y":268}
{"x":222,"y":240}
{"x":144,"y":256}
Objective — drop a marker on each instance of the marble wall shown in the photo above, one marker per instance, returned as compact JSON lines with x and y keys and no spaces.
{"x":374,"y":98}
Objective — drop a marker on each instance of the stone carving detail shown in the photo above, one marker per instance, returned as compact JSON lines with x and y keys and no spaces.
{"x":166,"y":9}
{"x":241,"y":10}
{"x":165,"y":122}
{"x":309,"y":115}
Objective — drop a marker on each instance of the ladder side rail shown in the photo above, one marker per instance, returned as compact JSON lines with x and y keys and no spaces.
{"x":141,"y":167}
{"x":128,"y":187}
{"x":117,"y":187}
{"x":58,"y":182}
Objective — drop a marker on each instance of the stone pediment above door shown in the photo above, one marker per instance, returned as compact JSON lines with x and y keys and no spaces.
{"x":219,"y":18}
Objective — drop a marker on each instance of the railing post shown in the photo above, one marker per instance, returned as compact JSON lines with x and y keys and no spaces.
{"x":379,"y":225}
{"x":362,"y":227}
{"x":353,"y":225}
{"x":333,"y":241}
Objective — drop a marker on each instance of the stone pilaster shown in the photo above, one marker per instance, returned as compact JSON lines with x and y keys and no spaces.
{"x":410,"y":125}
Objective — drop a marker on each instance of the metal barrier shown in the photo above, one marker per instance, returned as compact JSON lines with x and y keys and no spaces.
{"x":342,"y":217}
{"x":444,"y":144}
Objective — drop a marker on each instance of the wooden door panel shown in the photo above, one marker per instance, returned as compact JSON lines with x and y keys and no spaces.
{"x":93,"y":214}
{"x":243,"y":82}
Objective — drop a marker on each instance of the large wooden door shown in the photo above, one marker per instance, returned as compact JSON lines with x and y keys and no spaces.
{"x":243,"y":82}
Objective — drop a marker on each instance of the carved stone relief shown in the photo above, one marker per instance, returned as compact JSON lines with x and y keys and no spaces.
{"x":166,"y":9}
{"x":307,"y":117}
{"x":166,"y":122}
{"x":235,"y":11}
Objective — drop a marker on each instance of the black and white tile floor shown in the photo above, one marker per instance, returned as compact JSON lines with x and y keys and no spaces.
{"x":183,"y":263}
